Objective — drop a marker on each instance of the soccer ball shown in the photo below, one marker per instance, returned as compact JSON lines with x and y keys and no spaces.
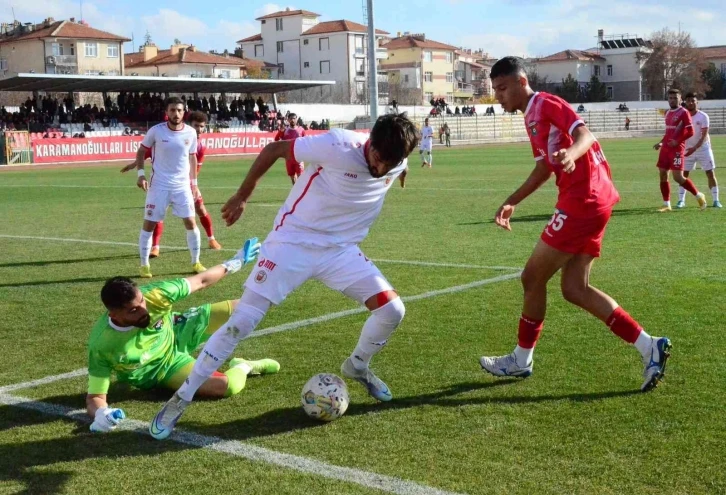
{"x":325,"y":397}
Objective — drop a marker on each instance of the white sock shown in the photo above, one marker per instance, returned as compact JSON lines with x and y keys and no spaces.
{"x":211,"y":238}
{"x":667,"y":203}
{"x":681,"y":194}
{"x":220,"y":347}
{"x":431,"y":159}
{"x":643,"y":343}
{"x":714,"y":193}
{"x":377,"y":329}
{"x":522,"y":356}
{"x":144,"y":246}
{"x":194,"y":243}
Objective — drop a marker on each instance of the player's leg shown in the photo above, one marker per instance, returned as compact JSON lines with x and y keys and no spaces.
{"x":156,"y":240}
{"x":577,"y":290}
{"x":349,"y":271}
{"x":665,"y":188}
{"x":689,"y":186}
{"x":157,"y":202}
{"x":430,"y":156}
{"x":690,"y":164}
{"x":709,"y":166}
{"x":544,"y":262}
{"x":183,"y":207}
{"x":423,"y":158}
{"x":206,"y":220}
{"x":402,"y":178}
{"x":217,"y":386}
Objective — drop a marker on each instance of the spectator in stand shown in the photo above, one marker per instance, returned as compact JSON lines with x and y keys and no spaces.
{"x":447,"y":133}
{"x":627,"y":123}
{"x":457,"y":111}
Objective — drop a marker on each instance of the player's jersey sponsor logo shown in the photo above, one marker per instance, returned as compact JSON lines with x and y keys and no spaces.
{"x":159,"y":324}
{"x":151,"y":207}
{"x":352,"y":176}
{"x":268,"y":264}
{"x":261,"y":277}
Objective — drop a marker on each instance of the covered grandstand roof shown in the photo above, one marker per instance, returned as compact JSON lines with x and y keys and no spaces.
{"x":98,"y":84}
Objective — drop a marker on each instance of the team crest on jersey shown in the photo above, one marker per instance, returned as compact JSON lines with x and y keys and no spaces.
{"x":388,"y":179}
{"x":533,"y":128}
{"x":159,"y":324}
{"x":149,"y":213}
{"x":261,"y":277}
{"x":186,"y":142}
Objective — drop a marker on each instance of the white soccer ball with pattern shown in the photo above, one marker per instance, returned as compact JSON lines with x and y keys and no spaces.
{"x":325,"y":397}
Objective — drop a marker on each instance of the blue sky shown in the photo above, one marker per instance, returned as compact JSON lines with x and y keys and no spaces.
{"x":501,"y":27}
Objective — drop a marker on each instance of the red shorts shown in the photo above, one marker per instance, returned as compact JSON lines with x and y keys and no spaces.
{"x":294,"y":168}
{"x":576,"y":235}
{"x":670,"y":159}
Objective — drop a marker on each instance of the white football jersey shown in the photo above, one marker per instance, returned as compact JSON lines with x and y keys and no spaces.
{"x":700,"y":122}
{"x":427,"y":134}
{"x":170,"y":152}
{"x":336,"y":200}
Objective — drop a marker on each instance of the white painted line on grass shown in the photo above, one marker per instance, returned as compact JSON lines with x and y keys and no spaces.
{"x":134,"y":244}
{"x":44,"y":381}
{"x":388,"y":484}
{"x":341,"y":314}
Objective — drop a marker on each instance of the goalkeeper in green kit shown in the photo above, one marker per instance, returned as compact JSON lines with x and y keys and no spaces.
{"x":148,"y":346}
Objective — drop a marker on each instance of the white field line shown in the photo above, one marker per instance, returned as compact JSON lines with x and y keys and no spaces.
{"x":44,"y":381}
{"x":236,"y":448}
{"x":134,"y":244}
{"x":341,"y":314}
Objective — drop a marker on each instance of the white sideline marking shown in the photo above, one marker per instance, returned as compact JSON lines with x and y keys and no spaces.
{"x":341,"y":314}
{"x":236,"y":448}
{"x":134,"y":244}
{"x":44,"y":381}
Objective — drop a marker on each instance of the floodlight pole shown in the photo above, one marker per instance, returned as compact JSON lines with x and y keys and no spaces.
{"x":372,"y":66}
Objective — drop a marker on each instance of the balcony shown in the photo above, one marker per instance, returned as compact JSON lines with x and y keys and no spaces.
{"x":463,"y":90}
{"x":62,"y":60}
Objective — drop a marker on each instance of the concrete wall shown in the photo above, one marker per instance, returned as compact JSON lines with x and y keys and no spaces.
{"x":186,"y":70}
{"x":23,"y":56}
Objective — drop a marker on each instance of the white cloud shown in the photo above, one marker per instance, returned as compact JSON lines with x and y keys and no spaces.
{"x":497,"y":45}
{"x":168,"y":23}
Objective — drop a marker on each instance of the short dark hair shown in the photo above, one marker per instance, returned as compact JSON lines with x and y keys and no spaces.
{"x":508,"y":66}
{"x":674,"y":91}
{"x":292,"y":115}
{"x":394,"y":137}
{"x":691,"y":94}
{"x":173,"y":100}
{"x":117,"y":292}
{"x":198,"y":116}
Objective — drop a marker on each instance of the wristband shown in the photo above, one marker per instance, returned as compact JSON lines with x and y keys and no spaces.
{"x":141,"y":173}
{"x":194,"y":182}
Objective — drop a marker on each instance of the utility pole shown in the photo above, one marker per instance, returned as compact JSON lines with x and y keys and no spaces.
{"x":372,"y":64}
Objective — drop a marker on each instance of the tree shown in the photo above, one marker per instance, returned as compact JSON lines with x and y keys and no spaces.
{"x":257,"y":73}
{"x":147,"y":39}
{"x":595,"y":90}
{"x":673,"y":62}
{"x":570,"y":89}
{"x":716,"y":82}
{"x":177,"y":41}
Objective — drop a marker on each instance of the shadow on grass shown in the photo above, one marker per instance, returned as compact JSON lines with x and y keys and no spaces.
{"x":210,"y":204}
{"x":19,"y":459}
{"x":85,"y":280}
{"x":546,"y":217}
{"x":68,"y":262}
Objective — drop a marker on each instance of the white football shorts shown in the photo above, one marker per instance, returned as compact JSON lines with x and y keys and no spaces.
{"x":158,"y":200}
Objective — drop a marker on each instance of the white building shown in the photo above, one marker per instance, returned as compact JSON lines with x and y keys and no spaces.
{"x":715,"y":55}
{"x":617,"y":61}
{"x":303,"y":48}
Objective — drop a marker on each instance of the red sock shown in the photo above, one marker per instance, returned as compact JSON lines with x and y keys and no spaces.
{"x":529,"y":330}
{"x":156,"y":237}
{"x":624,"y":326}
{"x":206,"y":222}
{"x":665,"y":190}
{"x":690,"y":187}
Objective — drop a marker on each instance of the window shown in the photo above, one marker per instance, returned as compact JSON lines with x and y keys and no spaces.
{"x":278,"y":24}
{"x":280,"y":46}
{"x":112,"y":51}
{"x":597,"y":70}
{"x":460,"y":75}
{"x":281,"y":69}
{"x":449,"y":57}
{"x":359,"y":50}
{"x":723,"y":69}
{"x":306,"y":42}
{"x":57,"y":49}
{"x":428,"y":97}
{"x":428,"y":77}
{"x":360,"y":87}
{"x":428,"y":57}
{"x":610,"y":70}
{"x":92,"y":72}
{"x":91,"y":49}
{"x":324,"y":44}
{"x":325,"y":66}
{"x":405,"y":78}
{"x":360,"y":67}
{"x":610,"y":92}
{"x":226,"y":74}
{"x":306,"y":64}
{"x":449,"y":97}
{"x":259,"y":51}
{"x":449,"y":77}
{"x":73,"y":49}
{"x":3,"y":64}
{"x":113,"y":73}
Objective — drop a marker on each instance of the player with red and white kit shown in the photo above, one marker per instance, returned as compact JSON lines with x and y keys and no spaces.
{"x":698,"y":150}
{"x":679,"y":128}
{"x":572,"y":239}
{"x":315,"y":236}
{"x":173,"y":182}
{"x":294,"y":168}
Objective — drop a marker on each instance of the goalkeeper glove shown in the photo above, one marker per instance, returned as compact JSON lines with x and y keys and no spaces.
{"x":107,"y":419}
{"x":246,"y":255}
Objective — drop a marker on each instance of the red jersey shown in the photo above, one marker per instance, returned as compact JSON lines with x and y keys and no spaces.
{"x":293,"y":133}
{"x":550,"y":122}
{"x":673,"y":119}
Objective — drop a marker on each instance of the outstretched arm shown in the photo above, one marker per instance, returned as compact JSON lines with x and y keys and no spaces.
{"x":233,"y":209}
{"x":247,"y":254}
{"x":539,"y":176}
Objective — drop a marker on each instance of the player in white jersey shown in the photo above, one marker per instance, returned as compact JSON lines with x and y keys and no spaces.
{"x":315,"y":236}
{"x":698,"y":150}
{"x":427,"y":144}
{"x":173,"y":182}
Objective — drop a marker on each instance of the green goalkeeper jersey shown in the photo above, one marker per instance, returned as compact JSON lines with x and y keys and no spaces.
{"x":138,"y":356}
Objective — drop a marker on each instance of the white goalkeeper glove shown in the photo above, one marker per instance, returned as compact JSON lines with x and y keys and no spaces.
{"x":107,"y":419}
{"x":246,"y":255}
